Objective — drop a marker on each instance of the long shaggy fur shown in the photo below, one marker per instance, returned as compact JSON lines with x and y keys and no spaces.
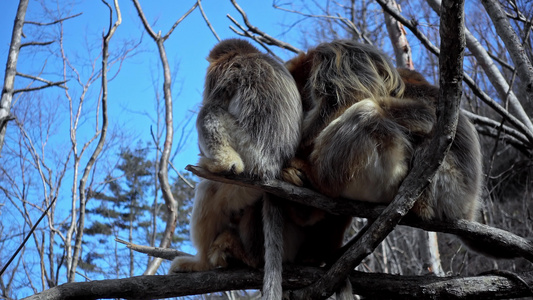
{"x":364,"y":121}
{"x":249,"y":124}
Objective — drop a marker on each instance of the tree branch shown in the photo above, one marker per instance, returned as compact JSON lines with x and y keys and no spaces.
{"x":165,"y":253}
{"x":512,"y":44}
{"x":467,"y":79}
{"x":339,"y":206}
{"x":262,"y":36}
{"x":371,"y":285}
{"x":53,"y":22}
{"x":11,"y":69}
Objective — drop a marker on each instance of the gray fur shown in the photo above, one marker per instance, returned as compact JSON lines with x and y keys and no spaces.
{"x":249,"y":124}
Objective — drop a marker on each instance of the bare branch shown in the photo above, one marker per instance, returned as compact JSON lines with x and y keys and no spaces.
{"x":179,"y":20}
{"x":36,"y":44}
{"x":49,"y":83}
{"x":54,"y":22}
{"x":170,"y":202}
{"x":467,"y":79}
{"x":101,"y":141}
{"x":11,"y":69}
{"x":493,"y":73}
{"x":59,"y":83}
{"x":401,"y":47}
{"x":165,"y":253}
{"x":371,"y":285}
{"x":265,"y":38}
{"x":207,"y":20}
{"x":512,"y":44}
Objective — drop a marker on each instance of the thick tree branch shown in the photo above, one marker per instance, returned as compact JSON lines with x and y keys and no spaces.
{"x":11,"y":70}
{"x":339,"y":206}
{"x":371,"y":285}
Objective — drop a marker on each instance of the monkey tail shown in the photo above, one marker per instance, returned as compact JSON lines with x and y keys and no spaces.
{"x":273,"y":231}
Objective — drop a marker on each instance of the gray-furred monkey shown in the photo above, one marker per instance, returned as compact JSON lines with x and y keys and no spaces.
{"x":250,"y":124}
{"x":364,"y":122}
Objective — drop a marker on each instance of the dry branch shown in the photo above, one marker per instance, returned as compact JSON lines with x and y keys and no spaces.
{"x":11,"y":70}
{"x":339,"y":206}
{"x":371,"y":285}
{"x":258,"y":35}
{"x":413,"y":27}
{"x":170,"y":201}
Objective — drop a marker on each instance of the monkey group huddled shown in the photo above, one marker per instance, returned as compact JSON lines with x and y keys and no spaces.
{"x":339,"y":119}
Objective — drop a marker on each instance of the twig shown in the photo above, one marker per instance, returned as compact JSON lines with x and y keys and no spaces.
{"x":207,"y":20}
{"x":165,"y":253}
{"x":48,"y":82}
{"x":264,"y":37}
{"x":27,"y":237}
{"x":53,"y":22}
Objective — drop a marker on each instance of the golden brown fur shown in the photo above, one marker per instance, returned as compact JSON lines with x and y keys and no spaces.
{"x":249,"y":124}
{"x":365,"y":121}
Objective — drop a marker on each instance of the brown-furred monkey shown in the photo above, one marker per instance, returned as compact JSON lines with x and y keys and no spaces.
{"x":364,"y":120}
{"x":249,"y":124}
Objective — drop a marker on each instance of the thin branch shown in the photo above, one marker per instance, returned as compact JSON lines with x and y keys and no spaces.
{"x":27,"y":237}
{"x":165,"y":253}
{"x":207,"y":20}
{"x":170,"y":162}
{"x":179,"y":21}
{"x":59,"y":83}
{"x":103,"y":133}
{"x":36,"y":44}
{"x":52,"y":23}
{"x":49,"y":83}
{"x":477,"y":119}
{"x":263,"y":36}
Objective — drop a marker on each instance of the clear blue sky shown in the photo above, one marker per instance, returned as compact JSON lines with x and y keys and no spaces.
{"x":132,"y":92}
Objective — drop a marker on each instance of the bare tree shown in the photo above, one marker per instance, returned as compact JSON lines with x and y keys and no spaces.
{"x":170,"y":202}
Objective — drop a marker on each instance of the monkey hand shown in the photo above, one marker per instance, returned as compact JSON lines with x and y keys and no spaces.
{"x":293,"y":175}
{"x":227,"y":162}
{"x":294,"y":172}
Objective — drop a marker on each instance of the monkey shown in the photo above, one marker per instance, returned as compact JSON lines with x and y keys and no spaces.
{"x":249,"y":124}
{"x":364,"y":121}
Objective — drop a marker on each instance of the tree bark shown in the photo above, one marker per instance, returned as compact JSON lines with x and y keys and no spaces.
{"x":371,"y":285}
{"x":11,"y":70}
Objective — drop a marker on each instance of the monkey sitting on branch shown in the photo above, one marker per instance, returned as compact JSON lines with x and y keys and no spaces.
{"x":364,"y":121}
{"x":249,"y":124}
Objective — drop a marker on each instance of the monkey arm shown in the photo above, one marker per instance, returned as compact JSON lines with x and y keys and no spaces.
{"x":215,"y":128}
